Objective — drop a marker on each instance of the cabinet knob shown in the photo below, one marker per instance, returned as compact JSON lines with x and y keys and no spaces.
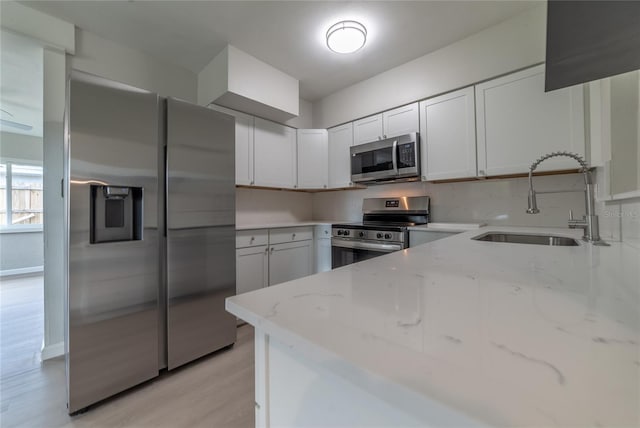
{"x":253,"y":238}
{"x":271,"y":250}
{"x":481,"y":172}
{"x":293,"y":236}
{"x":379,"y":137}
{"x":266,"y":250}
{"x":324,"y":185}
{"x":326,"y":232}
{"x":384,"y":136}
{"x":252,"y":182}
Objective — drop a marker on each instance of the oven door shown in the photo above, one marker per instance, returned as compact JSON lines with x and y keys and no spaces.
{"x":345,"y":252}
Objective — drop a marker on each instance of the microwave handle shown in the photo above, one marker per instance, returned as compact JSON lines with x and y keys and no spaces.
{"x":394,"y":157}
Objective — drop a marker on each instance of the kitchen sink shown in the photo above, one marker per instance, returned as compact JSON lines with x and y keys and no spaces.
{"x":523,"y":238}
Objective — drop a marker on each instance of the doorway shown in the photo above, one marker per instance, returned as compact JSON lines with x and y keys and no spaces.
{"x":21,"y":204}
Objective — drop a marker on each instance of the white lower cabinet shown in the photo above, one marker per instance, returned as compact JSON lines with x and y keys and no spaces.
{"x":252,"y":268}
{"x":290,"y":261}
{"x":270,"y":256}
{"x":252,"y":260}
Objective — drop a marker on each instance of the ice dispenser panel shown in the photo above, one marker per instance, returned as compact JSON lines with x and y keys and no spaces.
{"x":116,"y":214}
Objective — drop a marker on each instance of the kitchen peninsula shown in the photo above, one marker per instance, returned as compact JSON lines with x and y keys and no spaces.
{"x":457,"y":332}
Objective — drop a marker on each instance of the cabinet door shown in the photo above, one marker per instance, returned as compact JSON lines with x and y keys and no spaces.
{"x":252,"y":268}
{"x":290,"y":261}
{"x":401,"y":120}
{"x":367,"y":130}
{"x":448,"y":136}
{"x":244,"y":145}
{"x":313,"y":169}
{"x":274,"y":154}
{"x":340,"y":140}
{"x":518,"y":122}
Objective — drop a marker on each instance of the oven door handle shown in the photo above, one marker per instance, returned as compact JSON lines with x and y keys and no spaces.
{"x":360,"y":245}
{"x":394,"y":156}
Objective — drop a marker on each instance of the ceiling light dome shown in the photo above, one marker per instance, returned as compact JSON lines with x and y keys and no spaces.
{"x":346,"y":36}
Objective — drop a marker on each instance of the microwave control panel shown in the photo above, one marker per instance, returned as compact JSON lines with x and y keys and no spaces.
{"x":406,"y":155}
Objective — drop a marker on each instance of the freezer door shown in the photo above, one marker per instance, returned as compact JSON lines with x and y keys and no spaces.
{"x":112,"y":322}
{"x":200,"y":231}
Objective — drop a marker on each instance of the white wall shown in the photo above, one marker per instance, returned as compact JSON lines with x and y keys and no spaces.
{"x":304,"y":120}
{"x":120,"y":63}
{"x":257,"y":206}
{"x":20,"y":147}
{"x":20,"y":251}
{"x":513,"y":44}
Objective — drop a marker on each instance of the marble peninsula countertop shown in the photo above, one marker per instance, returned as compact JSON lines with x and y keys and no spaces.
{"x":500,"y":334}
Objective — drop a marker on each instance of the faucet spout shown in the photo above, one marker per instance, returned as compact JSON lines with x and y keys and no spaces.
{"x":590,"y":221}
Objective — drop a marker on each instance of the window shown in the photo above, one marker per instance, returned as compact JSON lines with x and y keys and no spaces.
{"x":21,"y":195}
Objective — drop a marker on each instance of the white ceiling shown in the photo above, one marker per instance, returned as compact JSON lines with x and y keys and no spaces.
{"x":289,"y":35}
{"x":21,"y":82}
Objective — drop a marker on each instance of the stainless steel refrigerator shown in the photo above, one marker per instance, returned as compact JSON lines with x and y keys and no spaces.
{"x":151,"y":235}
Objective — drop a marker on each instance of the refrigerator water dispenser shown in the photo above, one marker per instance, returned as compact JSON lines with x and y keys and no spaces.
{"x":116,"y":214}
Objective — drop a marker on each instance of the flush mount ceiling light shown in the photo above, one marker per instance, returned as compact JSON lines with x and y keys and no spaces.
{"x":346,"y":37}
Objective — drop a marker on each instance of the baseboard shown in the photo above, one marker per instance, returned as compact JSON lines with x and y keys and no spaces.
{"x":21,"y":271}
{"x":52,"y":351}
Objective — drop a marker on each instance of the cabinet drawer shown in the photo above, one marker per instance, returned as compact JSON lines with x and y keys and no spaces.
{"x":290,"y":234}
{"x":251,"y":238}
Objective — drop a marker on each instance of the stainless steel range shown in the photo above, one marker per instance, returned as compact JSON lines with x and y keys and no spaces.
{"x":384,"y":229}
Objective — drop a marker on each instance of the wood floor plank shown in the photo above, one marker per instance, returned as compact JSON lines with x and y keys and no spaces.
{"x":215,"y":391}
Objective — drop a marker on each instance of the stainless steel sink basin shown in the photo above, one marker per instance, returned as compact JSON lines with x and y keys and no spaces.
{"x":523,"y":238}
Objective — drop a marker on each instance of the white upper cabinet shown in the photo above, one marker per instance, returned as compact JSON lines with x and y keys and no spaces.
{"x":399,"y":121}
{"x":340,"y":140}
{"x":275,"y":155}
{"x":448,"y":136}
{"x":517,"y":122}
{"x":367,"y":130}
{"x":313,"y":169}
{"x":244,"y":145}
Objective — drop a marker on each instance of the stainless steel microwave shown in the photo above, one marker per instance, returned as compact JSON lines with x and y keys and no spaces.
{"x":389,"y":159}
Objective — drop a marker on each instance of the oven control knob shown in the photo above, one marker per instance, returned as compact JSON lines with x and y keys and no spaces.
{"x":361,"y":234}
{"x":339,"y":232}
{"x":379,"y":235}
{"x":347,"y":233}
{"x":387,"y":236}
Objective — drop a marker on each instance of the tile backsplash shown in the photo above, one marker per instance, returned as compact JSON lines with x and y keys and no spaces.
{"x":258,"y":206}
{"x":496,"y":202}
{"x":499,"y":202}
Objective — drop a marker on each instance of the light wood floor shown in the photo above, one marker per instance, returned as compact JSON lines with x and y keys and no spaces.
{"x":21,"y":324}
{"x":216,"y":391}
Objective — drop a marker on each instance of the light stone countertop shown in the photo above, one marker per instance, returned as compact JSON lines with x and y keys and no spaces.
{"x":501,"y":334}
{"x":286,"y":224}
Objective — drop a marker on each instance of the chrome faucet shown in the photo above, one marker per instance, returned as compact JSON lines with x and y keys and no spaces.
{"x":589,"y":222}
